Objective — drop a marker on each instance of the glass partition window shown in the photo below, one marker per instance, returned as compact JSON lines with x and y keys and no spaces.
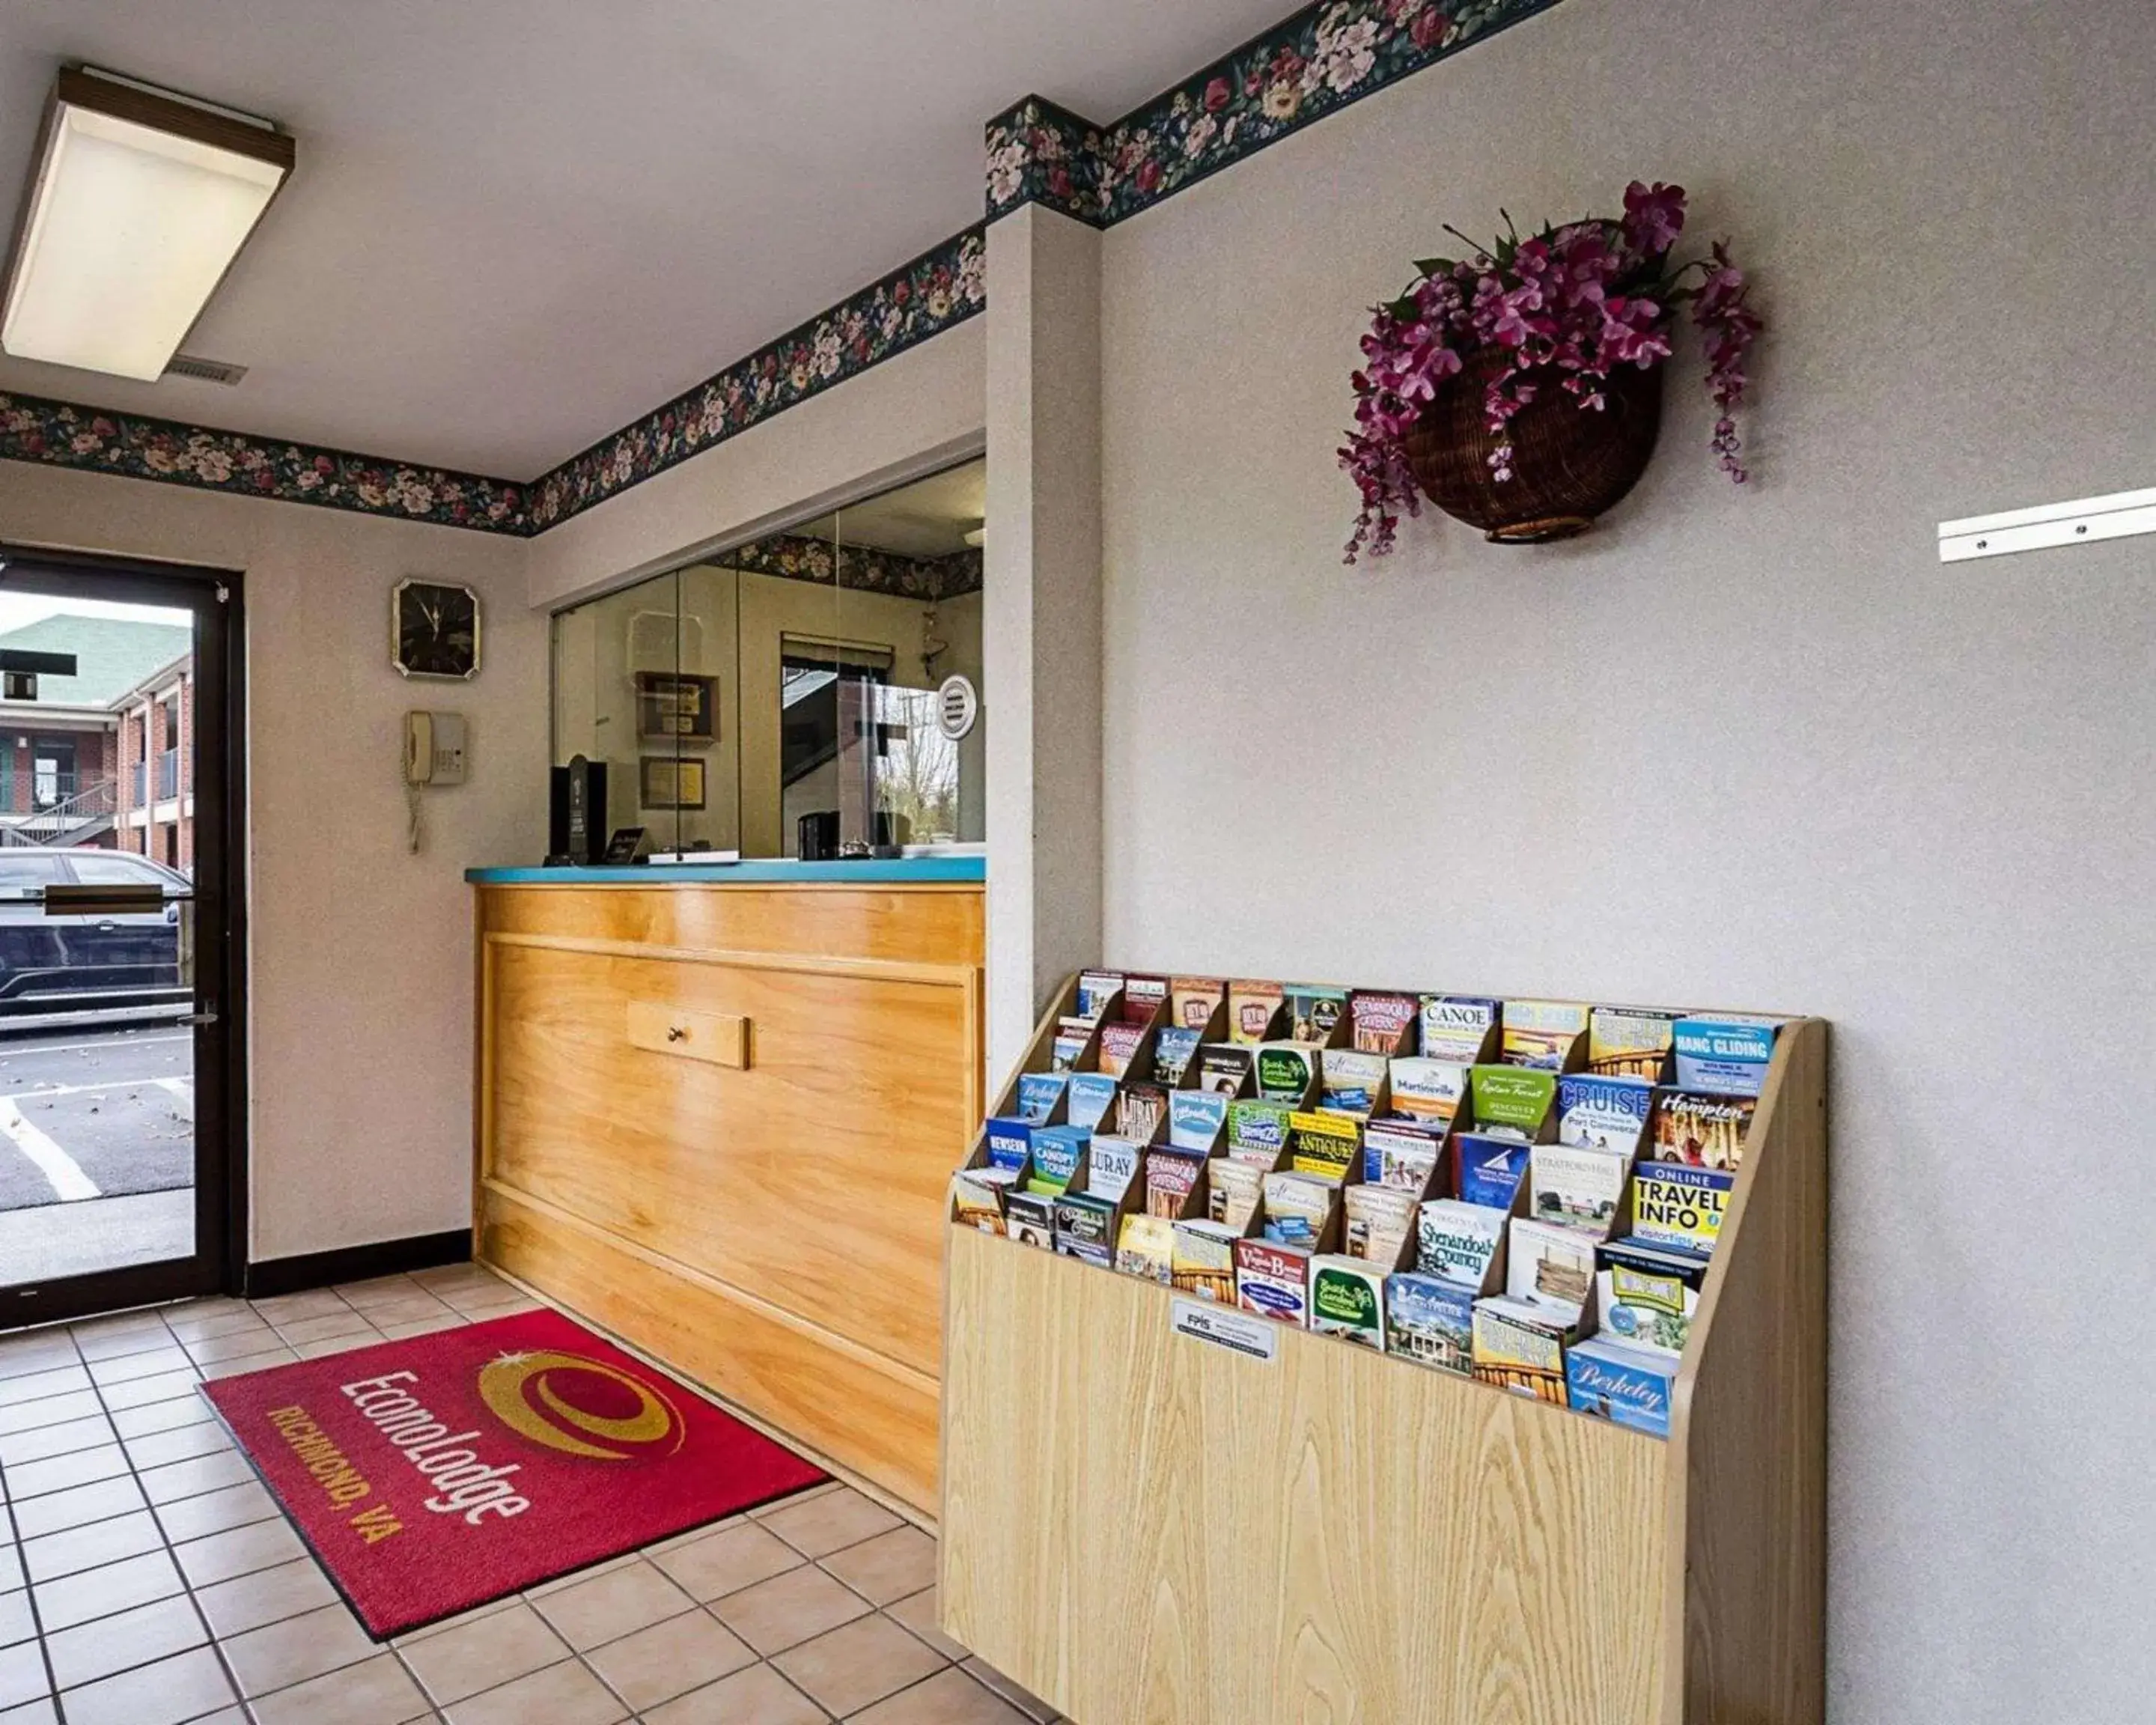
{"x":779,"y":698}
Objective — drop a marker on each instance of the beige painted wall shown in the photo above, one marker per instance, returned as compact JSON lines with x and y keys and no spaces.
{"x":1748,"y":748}
{"x":362,"y":1010}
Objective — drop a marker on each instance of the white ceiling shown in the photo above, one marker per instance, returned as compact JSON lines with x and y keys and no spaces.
{"x":518,"y":224}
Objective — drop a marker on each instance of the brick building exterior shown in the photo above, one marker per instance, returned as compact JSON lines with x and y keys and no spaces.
{"x":156,"y":816}
{"x":103,"y":758}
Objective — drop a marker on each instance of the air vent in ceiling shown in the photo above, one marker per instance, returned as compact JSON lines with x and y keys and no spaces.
{"x":206,"y":371}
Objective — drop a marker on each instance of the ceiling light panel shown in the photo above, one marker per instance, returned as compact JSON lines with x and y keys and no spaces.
{"x":140,"y":203}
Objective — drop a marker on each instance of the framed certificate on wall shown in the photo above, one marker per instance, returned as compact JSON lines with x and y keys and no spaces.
{"x":665,"y":782}
{"x":676,"y":707}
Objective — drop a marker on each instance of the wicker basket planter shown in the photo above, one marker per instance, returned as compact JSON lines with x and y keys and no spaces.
{"x":1569,"y":465}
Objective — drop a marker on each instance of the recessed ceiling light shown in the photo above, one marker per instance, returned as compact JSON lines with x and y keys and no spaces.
{"x":139,"y":200}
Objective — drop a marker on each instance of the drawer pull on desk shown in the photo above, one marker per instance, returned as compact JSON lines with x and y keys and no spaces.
{"x":722,"y":1038}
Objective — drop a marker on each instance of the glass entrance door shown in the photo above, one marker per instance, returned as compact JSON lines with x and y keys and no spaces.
{"x":118,"y":1180}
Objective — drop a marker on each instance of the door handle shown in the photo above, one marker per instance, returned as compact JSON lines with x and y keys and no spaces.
{"x":107,"y":926}
{"x":208,"y":1015}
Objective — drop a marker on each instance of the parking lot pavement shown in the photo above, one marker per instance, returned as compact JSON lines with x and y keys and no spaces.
{"x":87,"y":1114}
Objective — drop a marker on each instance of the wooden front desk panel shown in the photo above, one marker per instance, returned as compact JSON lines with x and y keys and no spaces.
{"x":772,"y":1228}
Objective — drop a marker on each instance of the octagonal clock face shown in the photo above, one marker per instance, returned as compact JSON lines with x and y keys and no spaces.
{"x":434,"y":630}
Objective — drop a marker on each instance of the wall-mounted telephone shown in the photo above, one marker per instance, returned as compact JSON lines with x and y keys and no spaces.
{"x":434,"y":748}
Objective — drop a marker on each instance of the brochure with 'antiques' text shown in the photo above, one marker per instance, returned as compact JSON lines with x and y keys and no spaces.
{"x":1429,"y":1321}
{"x":1573,"y":1187}
{"x":1325,"y":1145}
{"x":1456,"y":1026}
{"x":1401,"y":1153}
{"x":1707,"y":1132}
{"x":1608,"y":1113}
{"x":1458,"y":1243}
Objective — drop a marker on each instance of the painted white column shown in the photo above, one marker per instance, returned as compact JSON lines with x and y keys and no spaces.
{"x":1040,"y":623}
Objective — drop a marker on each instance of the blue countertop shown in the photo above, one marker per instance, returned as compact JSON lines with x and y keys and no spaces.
{"x":761,"y":872}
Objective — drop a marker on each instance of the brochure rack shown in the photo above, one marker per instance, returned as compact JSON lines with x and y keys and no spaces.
{"x":1140,"y":1525}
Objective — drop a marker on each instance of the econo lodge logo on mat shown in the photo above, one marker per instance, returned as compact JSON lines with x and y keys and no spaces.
{"x":581,"y":1406}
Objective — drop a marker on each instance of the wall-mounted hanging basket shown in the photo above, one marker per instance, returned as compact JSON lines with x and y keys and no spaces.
{"x":1569,"y":465}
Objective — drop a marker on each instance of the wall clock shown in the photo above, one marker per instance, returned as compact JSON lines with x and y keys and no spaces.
{"x":433,"y":630}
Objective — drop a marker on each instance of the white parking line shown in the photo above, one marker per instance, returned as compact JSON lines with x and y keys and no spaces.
{"x":177,"y":1086}
{"x":67,"y":1181}
{"x":10,"y":1051}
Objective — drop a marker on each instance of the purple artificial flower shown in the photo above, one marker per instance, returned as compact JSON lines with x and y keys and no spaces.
{"x":1654,"y":217}
{"x":1570,"y":302}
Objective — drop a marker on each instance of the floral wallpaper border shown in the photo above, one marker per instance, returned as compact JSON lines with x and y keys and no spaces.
{"x":941,"y":288}
{"x":798,"y":556}
{"x":60,"y":434}
{"x":1312,"y":63}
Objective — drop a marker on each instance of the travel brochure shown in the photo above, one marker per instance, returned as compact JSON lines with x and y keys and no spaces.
{"x":1527,"y":1193}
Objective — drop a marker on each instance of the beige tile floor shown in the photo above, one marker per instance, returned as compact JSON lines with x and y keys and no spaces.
{"x":147,"y":1578}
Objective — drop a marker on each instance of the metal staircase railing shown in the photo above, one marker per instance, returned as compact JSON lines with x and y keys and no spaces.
{"x":89,"y":811}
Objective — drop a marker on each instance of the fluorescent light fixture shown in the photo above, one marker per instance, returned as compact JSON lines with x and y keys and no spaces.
{"x":138,"y":202}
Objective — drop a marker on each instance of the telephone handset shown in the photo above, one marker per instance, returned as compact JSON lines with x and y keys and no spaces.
{"x":434,"y":748}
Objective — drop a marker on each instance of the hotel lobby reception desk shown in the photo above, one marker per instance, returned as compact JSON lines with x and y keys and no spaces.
{"x":718,"y":1111}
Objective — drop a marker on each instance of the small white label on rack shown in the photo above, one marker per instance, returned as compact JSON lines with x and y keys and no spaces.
{"x":1223,"y":1327}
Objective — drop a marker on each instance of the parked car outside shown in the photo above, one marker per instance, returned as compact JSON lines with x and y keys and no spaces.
{"x":44,"y":956}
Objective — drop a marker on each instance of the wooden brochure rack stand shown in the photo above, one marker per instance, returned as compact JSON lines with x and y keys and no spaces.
{"x":1139,"y":1527}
